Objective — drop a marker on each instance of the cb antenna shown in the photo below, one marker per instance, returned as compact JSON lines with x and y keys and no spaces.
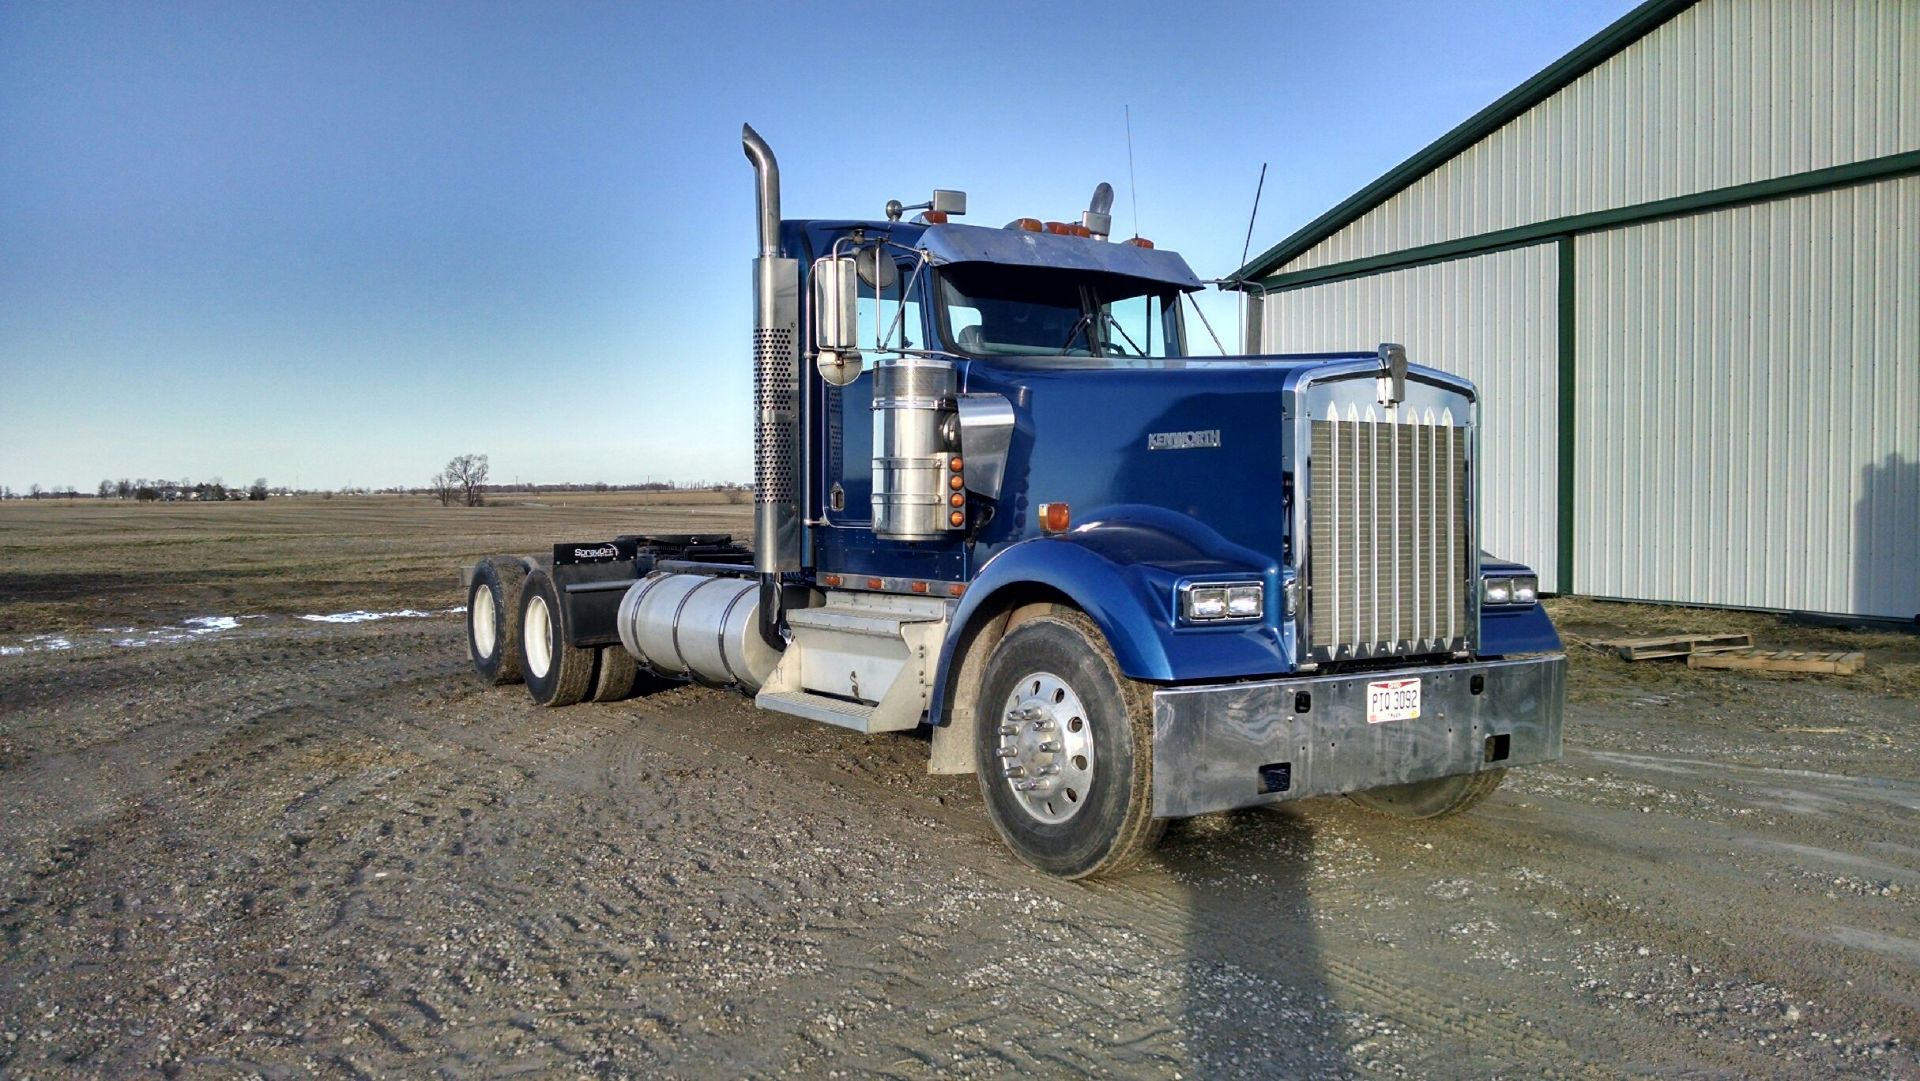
{"x":1257,"y":189}
{"x":1133,"y":184}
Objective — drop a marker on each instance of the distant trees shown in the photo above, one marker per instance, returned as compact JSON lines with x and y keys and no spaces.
{"x":257,"y":491}
{"x":33,"y":491}
{"x":463,"y":480}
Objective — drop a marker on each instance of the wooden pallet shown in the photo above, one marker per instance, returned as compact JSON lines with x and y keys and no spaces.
{"x":1784,"y":660}
{"x":1677,"y":645}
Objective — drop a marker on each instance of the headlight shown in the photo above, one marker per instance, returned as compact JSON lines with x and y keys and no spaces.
{"x":1524,"y":589}
{"x":1221,"y":602}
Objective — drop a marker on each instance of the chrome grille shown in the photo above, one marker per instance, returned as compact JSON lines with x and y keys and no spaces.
{"x":1390,"y":538}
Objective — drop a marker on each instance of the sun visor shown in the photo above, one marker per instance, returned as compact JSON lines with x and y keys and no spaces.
{"x":1019,"y":247}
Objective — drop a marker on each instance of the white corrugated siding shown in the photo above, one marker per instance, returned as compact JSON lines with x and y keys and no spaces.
{"x":1491,"y":319}
{"x":1749,"y":406}
{"x":1727,"y":92}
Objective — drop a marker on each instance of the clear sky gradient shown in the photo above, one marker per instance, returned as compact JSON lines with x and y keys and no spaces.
{"x":340,"y":243}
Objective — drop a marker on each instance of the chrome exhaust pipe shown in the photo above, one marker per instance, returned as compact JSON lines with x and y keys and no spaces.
{"x":777,"y":428}
{"x":766,"y":172}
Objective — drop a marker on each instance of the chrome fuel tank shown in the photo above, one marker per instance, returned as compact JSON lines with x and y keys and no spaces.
{"x":697,"y":625}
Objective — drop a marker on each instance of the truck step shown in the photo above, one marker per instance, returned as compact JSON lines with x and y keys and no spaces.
{"x":819,"y":707}
{"x":846,"y":619}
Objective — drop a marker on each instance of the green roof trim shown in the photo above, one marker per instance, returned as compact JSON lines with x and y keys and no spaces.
{"x":1871,"y":170}
{"x":1598,"y":49}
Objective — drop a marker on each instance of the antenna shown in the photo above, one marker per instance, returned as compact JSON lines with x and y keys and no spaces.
{"x":1133,"y":184}
{"x":1257,"y":189}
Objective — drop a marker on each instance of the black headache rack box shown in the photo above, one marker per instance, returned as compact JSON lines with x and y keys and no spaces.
{"x":592,"y":576}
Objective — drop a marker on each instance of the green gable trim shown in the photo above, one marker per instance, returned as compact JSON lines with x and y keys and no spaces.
{"x":1838,"y":176}
{"x":1597,"y":50}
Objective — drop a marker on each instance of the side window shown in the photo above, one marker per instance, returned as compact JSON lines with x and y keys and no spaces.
{"x":1146,"y":326}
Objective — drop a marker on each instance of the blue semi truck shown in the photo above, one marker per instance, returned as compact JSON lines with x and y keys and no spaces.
{"x":994,"y":495}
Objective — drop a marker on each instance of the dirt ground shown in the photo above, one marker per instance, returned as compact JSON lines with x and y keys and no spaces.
{"x":284,"y":847}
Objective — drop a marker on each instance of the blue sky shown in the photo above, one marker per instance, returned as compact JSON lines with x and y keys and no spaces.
{"x":340,"y":243}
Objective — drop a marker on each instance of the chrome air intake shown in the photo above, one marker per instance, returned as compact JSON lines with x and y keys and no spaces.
{"x":912,"y":399}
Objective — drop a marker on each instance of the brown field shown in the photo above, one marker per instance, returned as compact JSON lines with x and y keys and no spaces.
{"x":69,"y":566}
{"x":290,"y":849}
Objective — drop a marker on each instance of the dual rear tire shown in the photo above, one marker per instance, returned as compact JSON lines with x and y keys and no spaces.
{"x":515,"y":635}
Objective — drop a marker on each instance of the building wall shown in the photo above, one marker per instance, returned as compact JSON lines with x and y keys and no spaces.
{"x":1727,"y":92}
{"x":1748,"y":405}
{"x":1490,"y":318}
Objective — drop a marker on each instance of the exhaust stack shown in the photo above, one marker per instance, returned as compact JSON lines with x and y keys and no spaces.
{"x":776,"y":394}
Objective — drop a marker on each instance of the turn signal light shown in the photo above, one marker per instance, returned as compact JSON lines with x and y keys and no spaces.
{"x":1055,"y":517}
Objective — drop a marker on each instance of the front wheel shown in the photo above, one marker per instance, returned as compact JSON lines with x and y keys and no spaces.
{"x":1441,"y":797}
{"x":1065,"y":750}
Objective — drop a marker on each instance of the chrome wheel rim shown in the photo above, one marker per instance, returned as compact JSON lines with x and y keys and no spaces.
{"x":1046,"y":748}
{"x":539,"y":630}
{"x":480,"y":616}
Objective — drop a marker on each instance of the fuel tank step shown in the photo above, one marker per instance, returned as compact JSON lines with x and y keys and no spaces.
{"x":858,"y":716}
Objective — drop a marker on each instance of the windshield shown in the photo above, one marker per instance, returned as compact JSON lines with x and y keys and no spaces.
{"x":988,"y":310}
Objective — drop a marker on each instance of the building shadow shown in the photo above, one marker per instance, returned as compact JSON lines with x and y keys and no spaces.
{"x":1257,"y":1001}
{"x":1886,"y":540}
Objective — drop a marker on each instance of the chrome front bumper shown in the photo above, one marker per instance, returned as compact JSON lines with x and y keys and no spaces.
{"x":1237,"y":745}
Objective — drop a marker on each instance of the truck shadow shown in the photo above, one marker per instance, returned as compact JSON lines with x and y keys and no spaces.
{"x":1258,"y":1003}
{"x":1886,"y":539}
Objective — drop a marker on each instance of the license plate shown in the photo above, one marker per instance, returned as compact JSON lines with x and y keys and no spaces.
{"x":1393,"y":700}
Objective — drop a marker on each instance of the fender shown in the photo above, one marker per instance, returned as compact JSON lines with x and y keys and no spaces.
{"x":1122,"y":568}
{"x":1506,"y":630}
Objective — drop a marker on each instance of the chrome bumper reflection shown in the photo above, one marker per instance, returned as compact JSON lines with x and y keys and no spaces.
{"x":1220,"y":747}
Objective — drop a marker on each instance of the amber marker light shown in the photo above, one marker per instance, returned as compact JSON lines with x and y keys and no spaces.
{"x":1030,"y":225}
{"x":876,"y":583}
{"x":935,"y":217}
{"x":955,"y":483}
{"x":955,"y":464}
{"x":956,"y":499}
{"x":832,"y":579}
{"x":956,"y":519}
{"x":1140,"y":242}
{"x":919,"y":587}
{"x":1055,"y":517}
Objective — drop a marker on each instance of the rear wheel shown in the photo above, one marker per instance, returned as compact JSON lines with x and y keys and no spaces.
{"x":557,"y":674}
{"x":615,"y":674}
{"x":1441,"y":797}
{"x":1065,"y":750}
{"x":493,"y":618}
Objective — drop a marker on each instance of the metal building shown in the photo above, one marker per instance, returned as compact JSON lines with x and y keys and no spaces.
{"x":1683,"y":264}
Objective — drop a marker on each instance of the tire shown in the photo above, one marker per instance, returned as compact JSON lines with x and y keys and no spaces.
{"x":1442,"y":797}
{"x":493,"y":619}
{"x":614,"y":675}
{"x":557,"y":674}
{"x":1095,"y":815}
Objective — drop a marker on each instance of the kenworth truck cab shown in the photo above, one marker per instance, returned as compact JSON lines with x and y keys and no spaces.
{"x":995,"y":496}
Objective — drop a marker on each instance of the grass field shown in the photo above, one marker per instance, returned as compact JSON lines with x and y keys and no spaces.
{"x":69,"y":566}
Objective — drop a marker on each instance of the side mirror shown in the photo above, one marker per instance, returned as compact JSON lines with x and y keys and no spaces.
{"x":949,"y":202}
{"x":836,"y":293}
